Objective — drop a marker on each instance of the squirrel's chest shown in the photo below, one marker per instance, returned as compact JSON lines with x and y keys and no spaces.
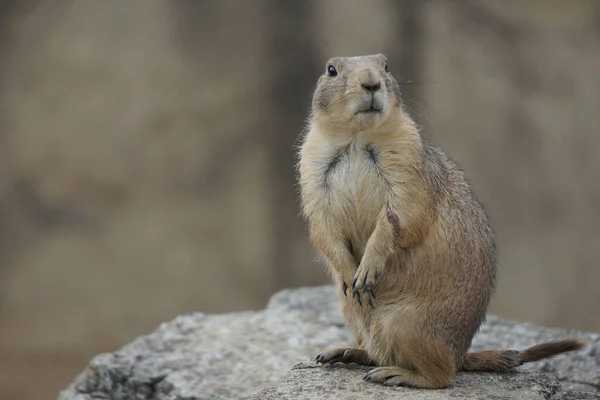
{"x":350,"y":184}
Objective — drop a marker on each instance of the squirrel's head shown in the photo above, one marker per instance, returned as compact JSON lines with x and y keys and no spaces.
{"x":356,"y":93}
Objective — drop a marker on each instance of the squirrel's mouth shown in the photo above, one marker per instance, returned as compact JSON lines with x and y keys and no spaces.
{"x":371,"y":110}
{"x":372,"y":105}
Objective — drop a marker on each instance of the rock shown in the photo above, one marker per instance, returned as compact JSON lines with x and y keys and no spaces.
{"x":309,"y":381}
{"x":237,"y":355}
{"x":577,"y":370}
{"x":228,"y":356}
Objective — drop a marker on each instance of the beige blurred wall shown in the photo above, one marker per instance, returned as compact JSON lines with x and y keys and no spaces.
{"x":146,"y":156}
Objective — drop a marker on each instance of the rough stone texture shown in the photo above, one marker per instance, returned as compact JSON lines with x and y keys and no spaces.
{"x":235,"y":356}
{"x":309,"y":381}
{"x":578,"y":370}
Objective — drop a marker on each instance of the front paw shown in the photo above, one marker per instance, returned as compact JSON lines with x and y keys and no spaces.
{"x":363,"y":283}
{"x":345,"y":281}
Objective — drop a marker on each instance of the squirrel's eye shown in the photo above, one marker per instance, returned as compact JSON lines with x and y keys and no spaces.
{"x":386,"y":68}
{"x":331,"y":71}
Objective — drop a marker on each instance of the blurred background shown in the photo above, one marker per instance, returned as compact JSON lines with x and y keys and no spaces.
{"x":147,"y":159}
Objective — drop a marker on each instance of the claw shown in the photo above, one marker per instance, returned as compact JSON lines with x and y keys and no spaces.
{"x":319,"y":358}
{"x":368,"y":290}
{"x":355,"y":289}
{"x":344,"y":287}
{"x":356,"y":296}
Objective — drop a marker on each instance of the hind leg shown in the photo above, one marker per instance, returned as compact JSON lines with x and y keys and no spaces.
{"x":346,"y":355}
{"x":398,"y":376}
{"x":422,"y":361}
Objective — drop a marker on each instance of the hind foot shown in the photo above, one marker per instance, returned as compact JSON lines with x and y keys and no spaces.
{"x":346,"y":355}
{"x":396,"y":376}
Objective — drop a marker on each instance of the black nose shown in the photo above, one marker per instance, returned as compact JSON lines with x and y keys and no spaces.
{"x":372,"y":86}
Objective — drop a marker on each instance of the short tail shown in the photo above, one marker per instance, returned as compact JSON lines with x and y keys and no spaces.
{"x":508,"y":360}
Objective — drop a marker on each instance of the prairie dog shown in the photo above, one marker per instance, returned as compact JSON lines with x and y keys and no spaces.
{"x":404,"y":237}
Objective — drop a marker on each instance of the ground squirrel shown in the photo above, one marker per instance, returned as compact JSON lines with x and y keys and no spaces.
{"x":407,"y":242}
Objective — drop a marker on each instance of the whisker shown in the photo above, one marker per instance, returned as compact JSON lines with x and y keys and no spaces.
{"x":415,"y":112}
{"x":420,"y":102}
{"x":412,"y":83}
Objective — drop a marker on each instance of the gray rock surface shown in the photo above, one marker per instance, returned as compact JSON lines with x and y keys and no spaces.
{"x":234,"y":356}
{"x":309,"y":381}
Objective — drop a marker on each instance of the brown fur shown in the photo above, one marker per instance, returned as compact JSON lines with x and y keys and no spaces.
{"x":507,"y":360}
{"x":404,"y":237}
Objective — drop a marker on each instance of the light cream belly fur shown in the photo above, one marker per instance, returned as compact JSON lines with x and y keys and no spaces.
{"x":356,"y":197}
